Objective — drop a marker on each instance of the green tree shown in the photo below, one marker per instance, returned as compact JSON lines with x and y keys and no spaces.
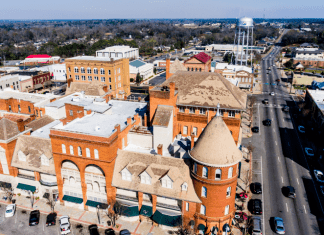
{"x":138,"y":79}
{"x":228,"y":57}
{"x":289,"y":64}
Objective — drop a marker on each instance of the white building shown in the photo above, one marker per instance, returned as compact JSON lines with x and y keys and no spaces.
{"x":8,"y":81}
{"x":143,"y":68}
{"x":119,"y":52}
{"x":58,"y":71}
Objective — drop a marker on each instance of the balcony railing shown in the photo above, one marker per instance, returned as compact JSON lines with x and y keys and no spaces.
{"x":26,"y":177}
{"x":50,"y":184}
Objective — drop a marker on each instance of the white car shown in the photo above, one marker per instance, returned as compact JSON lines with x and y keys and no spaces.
{"x":10,"y":210}
{"x":272,"y":94}
{"x":301,"y":129}
{"x":65,"y":224}
{"x":319,"y":176}
{"x":309,"y":152}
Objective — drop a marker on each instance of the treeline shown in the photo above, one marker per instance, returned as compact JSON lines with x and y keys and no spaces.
{"x":299,"y":37}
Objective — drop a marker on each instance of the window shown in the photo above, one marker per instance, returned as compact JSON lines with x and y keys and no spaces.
{"x":96,"y":78}
{"x":89,"y":78}
{"x":228,"y":191}
{"x":95,"y":71}
{"x":19,"y":109}
{"x":63,"y":148}
{"x":188,"y":69}
{"x":126,"y":175}
{"x":110,"y":87}
{"x":196,"y":69}
{"x":89,"y":70}
{"x":195,"y":168}
{"x":187,"y":206}
{"x":118,"y":70}
{"x":103,"y":79}
{"x":145,"y":178}
{"x":185,"y":130}
{"x":218,"y":174}
{"x":71,"y":112}
{"x":205,"y":172}
{"x":79,"y":151}
{"x":230,"y":172}
{"x":41,"y":113}
{"x":21,"y":156}
{"x":181,"y":109}
{"x":71,"y":150}
{"x":221,"y":112}
{"x":119,"y":78}
{"x":88,"y":152}
{"x":109,"y":79}
{"x":231,"y":113}
{"x":166,"y":182}
{"x":77,"y":77}
{"x":83,"y":78}
{"x":76,"y":69}
{"x":184,"y":186}
{"x":191,"y":110}
{"x":204,"y":191}
{"x":202,"y":111}
{"x":9,"y":108}
{"x":29,"y":110}
{"x":102,"y":71}
{"x":200,"y":70}
{"x":119,"y":84}
{"x":44,"y":160}
{"x":82,"y":70}
{"x":37,"y":113}
{"x":202,"y":210}
{"x":109,"y":72}
{"x":195,"y":131}
{"x":96,"y":153}
{"x":226,"y":210}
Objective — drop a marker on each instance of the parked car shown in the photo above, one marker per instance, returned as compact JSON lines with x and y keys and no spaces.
{"x":255,"y":129}
{"x":34,"y":218}
{"x":267,"y":122}
{"x":272,"y":93}
{"x":322,"y":189}
{"x":10,"y":210}
{"x":93,"y":229}
{"x":301,"y":129}
{"x":285,"y":108}
{"x":279,"y":225}
{"x":309,"y":152}
{"x":256,"y":226}
{"x":290,"y":192}
{"x":124,"y":232}
{"x":266,"y":101}
{"x":319,"y":176}
{"x":65,"y":224}
{"x":256,"y":188}
{"x":51,"y":219}
{"x":110,"y":231}
{"x":256,"y":207}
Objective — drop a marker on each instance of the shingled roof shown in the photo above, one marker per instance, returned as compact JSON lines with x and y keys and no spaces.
{"x":202,"y":57}
{"x":177,"y":66}
{"x":8,"y":129}
{"x":162,"y":115}
{"x":95,"y":88}
{"x":207,"y":90}
{"x":39,"y":123}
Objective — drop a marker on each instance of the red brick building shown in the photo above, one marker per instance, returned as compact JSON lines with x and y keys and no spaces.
{"x":199,"y":63}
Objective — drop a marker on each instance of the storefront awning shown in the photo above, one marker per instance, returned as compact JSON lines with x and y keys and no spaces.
{"x":26,"y":187}
{"x":168,"y":220}
{"x":146,"y":211}
{"x":201,"y":227}
{"x":127,"y":210}
{"x":96,"y":204}
{"x":5,"y":185}
{"x":72,"y":199}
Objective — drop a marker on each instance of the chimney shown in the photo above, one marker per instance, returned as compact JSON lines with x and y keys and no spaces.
{"x":20,"y":124}
{"x":192,"y":140}
{"x":172,"y":89}
{"x":69,"y":82}
{"x":129,"y":120}
{"x":159,"y":149}
{"x":117,"y":127}
{"x":167,"y":67}
{"x":125,"y":97}
{"x":139,"y":98}
{"x":145,"y":119}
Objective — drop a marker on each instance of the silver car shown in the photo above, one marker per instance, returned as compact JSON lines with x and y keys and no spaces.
{"x":279,"y":225}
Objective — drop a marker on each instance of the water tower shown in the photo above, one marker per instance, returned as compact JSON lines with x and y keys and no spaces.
{"x":243,"y":41}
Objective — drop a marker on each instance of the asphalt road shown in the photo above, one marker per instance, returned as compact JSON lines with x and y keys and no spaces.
{"x":279,"y":161}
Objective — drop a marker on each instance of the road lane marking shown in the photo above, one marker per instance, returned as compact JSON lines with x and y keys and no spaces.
{"x":278,"y":159}
{"x":287,"y":206}
{"x":281,"y":179}
{"x":274,"y":130}
{"x":297,"y":181}
{"x":276,"y":142}
{"x":305,"y":209}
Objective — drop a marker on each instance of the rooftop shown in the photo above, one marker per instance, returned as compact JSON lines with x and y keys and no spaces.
{"x":116,"y":49}
{"x":318,"y":97}
{"x":177,"y":66}
{"x":39,"y":123}
{"x":8,"y":129}
{"x":90,"y":58}
{"x":44,"y":131}
{"x":202,"y":57}
{"x":95,"y":88}
{"x":38,"y":56}
{"x":33,"y":98}
{"x":137,"y":63}
{"x":162,"y":116}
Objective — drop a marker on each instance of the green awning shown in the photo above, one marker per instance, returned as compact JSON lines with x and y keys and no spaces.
{"x":95,"y":204}
{"x":72,"y":199}
{"x":128,"y":210}
{"x":167,"y":220}
{"x":201,"y":227}
{"x":26,"y":187}
{"x":146,"y":211}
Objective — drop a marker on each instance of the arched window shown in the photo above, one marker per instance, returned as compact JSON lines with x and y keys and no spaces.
{"x":195,"y":168}
{"x":204,"y":191}
{"x":202,"y":210}
{"x":72,"y":180}
{"x":109,"y":72}
{"x":205,"y":172}
{"x":79,"y":151}
{"x":191,"y":69}
{"x":82,"y":70}
{"x":96,"y":186}
{"x":76,"y":69}
{"x":63,"y":148}
{"x":71,"y":150}
{"x":188,"y":69}
{"x":96,"y":153}
{"x":228,"y":191}
{"x":200,"y":70}
{"x":89,"y":70}
{"x":95,"y":71}
{"x":218,"y":174}
{"x":88,"y":152}
{"x":196,"y":69}
{"x":230,"y":172}
{"x":226,"y":210}
{"x":102,"y":71}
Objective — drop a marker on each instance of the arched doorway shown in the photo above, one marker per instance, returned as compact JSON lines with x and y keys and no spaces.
{"x":226,"y":229}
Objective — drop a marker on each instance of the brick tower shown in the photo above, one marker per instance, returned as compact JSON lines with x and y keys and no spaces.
{"x":214,"y":172}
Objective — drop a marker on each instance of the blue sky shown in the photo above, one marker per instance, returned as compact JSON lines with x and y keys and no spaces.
{"x":107,"y":9}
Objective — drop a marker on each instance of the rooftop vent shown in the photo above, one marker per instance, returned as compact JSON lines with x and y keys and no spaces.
{"x":97,"y":128}
{"x":165,"y":88}
{"x":75,"y":99}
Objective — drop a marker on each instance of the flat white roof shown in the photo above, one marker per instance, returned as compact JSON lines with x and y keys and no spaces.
{"x":118,"y":49}
{"x":33,"y":98}
{"x":318,"y":97}
{"x":91,"y":58}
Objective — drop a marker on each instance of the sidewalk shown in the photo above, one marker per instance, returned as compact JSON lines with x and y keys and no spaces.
{"x":86,"y":217}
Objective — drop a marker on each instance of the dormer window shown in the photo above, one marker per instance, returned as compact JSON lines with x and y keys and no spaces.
{"x":184,"y":187}
{"x":145,"y":178}
{"x":44,"y":160}
{"x":126,"y":175}
{"x":166,"y":182}
{"x":21,"y":156}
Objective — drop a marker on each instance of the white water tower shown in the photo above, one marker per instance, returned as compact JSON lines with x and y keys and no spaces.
{"x":243,"y":41}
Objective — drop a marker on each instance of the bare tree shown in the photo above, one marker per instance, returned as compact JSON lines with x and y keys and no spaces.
{"x":185,"y":230}
{"x":115,"y":210}
{"x":50,"y":201}
{"x":8,"y":192}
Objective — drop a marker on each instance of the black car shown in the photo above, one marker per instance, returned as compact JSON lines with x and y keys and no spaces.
{"x":51,"y":219}
{"x":257,"y":207}
{"x":93,"y":229}
{"x":110,"y":231}
{"x":267,"y":122}
{"x":34,"y":218}
{"x":256,"y":188}
{"x":266,"y":101}
{"x":289,"y":191}
{"x":255,"y":129}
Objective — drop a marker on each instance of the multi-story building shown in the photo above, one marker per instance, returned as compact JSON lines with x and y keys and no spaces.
{"x":10,"y":80}
{"x":57,"y":71}
{"x":40,"y":59}
{"x":199,"y":63}
{"x":38,"y":80}
{"x":118,"y":52}
{"x":144,"y":69}
{"x":113,"y":73}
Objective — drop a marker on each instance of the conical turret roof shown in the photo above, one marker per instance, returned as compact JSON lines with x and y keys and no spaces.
{"x":216,"y":146}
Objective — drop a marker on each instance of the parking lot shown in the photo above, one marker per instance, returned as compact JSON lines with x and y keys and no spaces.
{"x":19,"y":224}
